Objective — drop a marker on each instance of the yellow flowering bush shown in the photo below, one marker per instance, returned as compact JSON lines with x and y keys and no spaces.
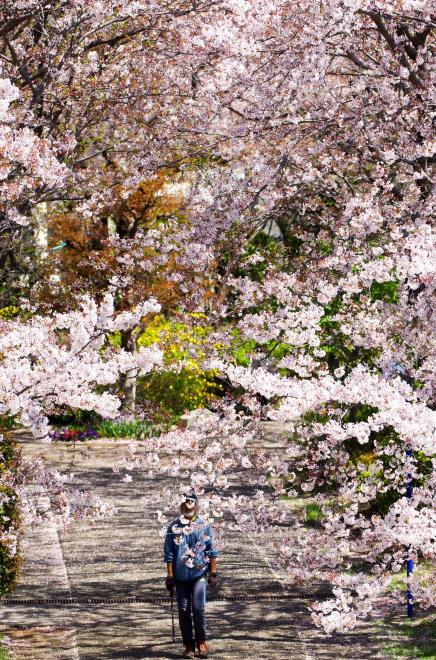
{"x":175,"y":389}
{"x":10,"y":312}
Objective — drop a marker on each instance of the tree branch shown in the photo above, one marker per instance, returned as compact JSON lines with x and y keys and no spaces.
{"x":395,"y":48}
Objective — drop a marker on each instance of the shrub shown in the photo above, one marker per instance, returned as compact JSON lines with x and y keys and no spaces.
{"x":7,"y":423}
{"x":9,"y":517}
{"x":173,"y":391}
{"x":8,"y":313}
{"x":129,"y":428}
{"x":74,"y":418}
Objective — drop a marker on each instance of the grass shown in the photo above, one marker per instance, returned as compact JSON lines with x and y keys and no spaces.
{"x":4,"y":652}
{"x":412,"y":638}
{"x":424,"y":569}
{"x":313,"y":513}
{"x":303,"y":506}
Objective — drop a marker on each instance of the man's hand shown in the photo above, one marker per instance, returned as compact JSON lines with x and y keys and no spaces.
{"x":170,"y":582}
{"x":213,"y":580}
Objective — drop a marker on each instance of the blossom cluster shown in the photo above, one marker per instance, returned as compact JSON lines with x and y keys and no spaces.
{"x":48,"y":362}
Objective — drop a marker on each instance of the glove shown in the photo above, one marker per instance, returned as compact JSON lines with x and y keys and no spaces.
{"x":213,"y":580}
{"x":170,"y":583}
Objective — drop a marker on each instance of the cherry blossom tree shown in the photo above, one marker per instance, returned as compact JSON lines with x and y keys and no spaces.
{"x":315,"y":116}
{"x":50,"y":362}
{"x":352,"y":193}
{"x":333,"y":119}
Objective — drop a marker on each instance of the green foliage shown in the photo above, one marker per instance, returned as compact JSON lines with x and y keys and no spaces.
{"x":359,"y":413}
{"x":129,"y":428}
{"x":9,"y":564}
{"x":176,"y":338}
{"x":313,"y":416}
{"x":9,"y":518}
{"x":339,"y":349}
{"x":4,"y":651}
{"x":328,"y":201}
{"x":74,"y":418}
{"x":277,"y":349}
{"x":386,"y":291}
{"x":313,"y":513}
{"x":115,"y":339}
{"x":84,"y":420}
{"x":294,"y":245}
{"x":7,"y":423}
{"x":9,"y":312}
{"x":269,"y":248}
{"x":173,"y":391}
{"x":243,"y":352}
{"x":325,"y":247}
{"x":364,"y":455}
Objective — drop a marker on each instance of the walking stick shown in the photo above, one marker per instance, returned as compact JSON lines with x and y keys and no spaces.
{"x":172,"y":614}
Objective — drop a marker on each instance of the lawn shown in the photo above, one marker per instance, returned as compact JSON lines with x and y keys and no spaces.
{"x":411,"y":638}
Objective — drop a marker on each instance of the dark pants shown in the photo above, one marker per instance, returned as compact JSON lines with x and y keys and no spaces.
{"x":191,"y":601}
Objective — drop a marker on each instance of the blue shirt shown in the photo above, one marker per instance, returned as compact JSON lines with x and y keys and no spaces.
{"x":189,"y":546}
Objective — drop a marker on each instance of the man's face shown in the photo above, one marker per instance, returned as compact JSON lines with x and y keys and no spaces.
{"x":189,"y":507}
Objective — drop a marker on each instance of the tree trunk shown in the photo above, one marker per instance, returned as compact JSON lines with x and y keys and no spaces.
{"x":128,"y":342}
{"x":41,"y":229}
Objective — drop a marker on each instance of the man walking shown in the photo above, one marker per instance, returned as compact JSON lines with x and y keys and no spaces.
{"x":190,"y":557}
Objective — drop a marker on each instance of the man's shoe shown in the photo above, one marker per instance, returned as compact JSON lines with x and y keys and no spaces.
{"x":203,"y":651}
{"x":189,"y":651}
